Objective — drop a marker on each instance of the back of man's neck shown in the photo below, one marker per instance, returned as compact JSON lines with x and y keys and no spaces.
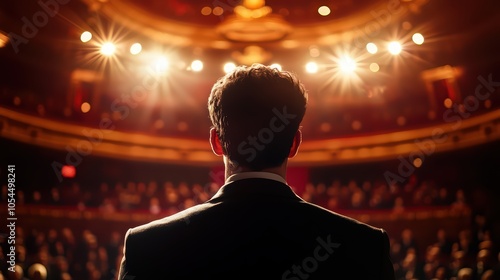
{"x":279,"y":170}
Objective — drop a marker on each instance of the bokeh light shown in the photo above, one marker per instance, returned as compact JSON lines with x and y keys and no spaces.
{"x":324,"y":10}
{"x":312,"y":67}
{"x":372,"y":48}
{"x":197,"y":65}
{"x":418,"y":38}
{"x":229,"y":67}
{"x":206,"y":11}
{"x":136,"y":48}
{"x":218,"y":11}
{"x":417,"y":162}
{"x":374,"y":67}
{"x":86,"y":36}
{"x":85,"y":107}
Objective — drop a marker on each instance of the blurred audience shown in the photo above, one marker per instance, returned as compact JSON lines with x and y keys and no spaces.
{"x":62,"y":254}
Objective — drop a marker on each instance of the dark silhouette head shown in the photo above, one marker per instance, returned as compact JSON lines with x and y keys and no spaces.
{"x":256,"y":112}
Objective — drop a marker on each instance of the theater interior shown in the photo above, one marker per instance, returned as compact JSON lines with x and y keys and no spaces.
{"x":104,"y":122}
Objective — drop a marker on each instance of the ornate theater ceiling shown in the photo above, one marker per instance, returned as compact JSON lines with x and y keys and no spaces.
{"x":379,"y":71}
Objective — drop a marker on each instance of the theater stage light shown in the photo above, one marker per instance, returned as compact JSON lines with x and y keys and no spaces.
{"x":346,"y":64}
{"x":108,"y":49}
{"x":418,"y":38}
{"x":372,"y":48}
{"x":86,"y":36}
{"x":324,"y":10}
{"x":136,"y":48}
{"x":229,"y":67}
{"x":197,"y":65}
{"x":162,"y":64}
{"x":312,"y":67}
{"x":394,"y":48}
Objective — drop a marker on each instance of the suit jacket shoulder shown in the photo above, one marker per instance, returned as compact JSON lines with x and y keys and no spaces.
{"x":256,"y":228}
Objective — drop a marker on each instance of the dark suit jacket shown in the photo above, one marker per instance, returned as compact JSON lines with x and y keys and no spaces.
{"x":256,"y":229}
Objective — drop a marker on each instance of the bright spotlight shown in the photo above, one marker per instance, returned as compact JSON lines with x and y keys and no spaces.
{"x":135,"y":48}
{"x":418,"y":38}
{"x":394,"y":48}
{"x":347,"y":64}
{"x":86,"y":36}
{"x":276,"y":66}
{"x":197,"y":65}
{"x":162,"y":64}
{"x":229,"y":67}
{"x":312,"y":67}
{"x":108,"y":49}
{"x":372,"y":48}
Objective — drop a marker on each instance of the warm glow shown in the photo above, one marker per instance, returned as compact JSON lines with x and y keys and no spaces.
{"x":229,"y":67}
{"x":218,"y":11}
{"x":4,"y":39}
{"x":372,"y":48}
{"x":401,"y":120}
{"x":197,"y":65}
{"x":314,"y":51}
{"x":374,"y":67}
{"x":17,"y":101}
{"x":417,"y":162}
{"x":135,"y":48}
{"x":394,"y":48}
{"x":108,"y":49}
{"x":68,"y":171}
{"x":487,"y":104}
{"x":86,"y":36}
{"x":347,"y":65}
{"x":276,"y":66}
{"x":324,"y":11}
{"x":312,"y":67}
{"x":254,"y":4}
{"x":448,"y":103}
{"x":85,"y":107}
{"x":418,"y":38}
{"x":206,"y":11}
{"x":162,"y":64}
{"x":356,"y":125}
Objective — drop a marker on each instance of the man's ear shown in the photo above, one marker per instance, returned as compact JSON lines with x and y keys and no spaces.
{"x":215,"y":143}
{"x":297,"y":139}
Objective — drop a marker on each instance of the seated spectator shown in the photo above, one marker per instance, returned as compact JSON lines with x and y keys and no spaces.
{"x":154,"y":205}
{"x":458,"y":263}
{"x":465,"y":274}
{"x":459,"y":206}
{"x":443,"y":242}
{"x":37,"y":271}
{"x":17,"y":274}
{"x":399,"y":207}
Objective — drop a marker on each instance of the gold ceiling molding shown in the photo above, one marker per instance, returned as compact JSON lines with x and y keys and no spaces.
{"x":263,"y":27}
{"x":89,"y":141}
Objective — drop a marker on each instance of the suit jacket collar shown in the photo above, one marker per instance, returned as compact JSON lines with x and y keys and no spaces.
{"x":258,"y":174}
{"x":254,"y":187}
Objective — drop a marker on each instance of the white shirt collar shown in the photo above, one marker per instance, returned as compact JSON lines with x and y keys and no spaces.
{"x":255,"y":174}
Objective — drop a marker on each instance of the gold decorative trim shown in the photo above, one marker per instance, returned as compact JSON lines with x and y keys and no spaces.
{"x":163,"y":30}
{"x":136,"y":146}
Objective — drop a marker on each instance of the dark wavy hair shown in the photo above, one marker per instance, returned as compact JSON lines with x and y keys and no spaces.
{"x":256,"y":112}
